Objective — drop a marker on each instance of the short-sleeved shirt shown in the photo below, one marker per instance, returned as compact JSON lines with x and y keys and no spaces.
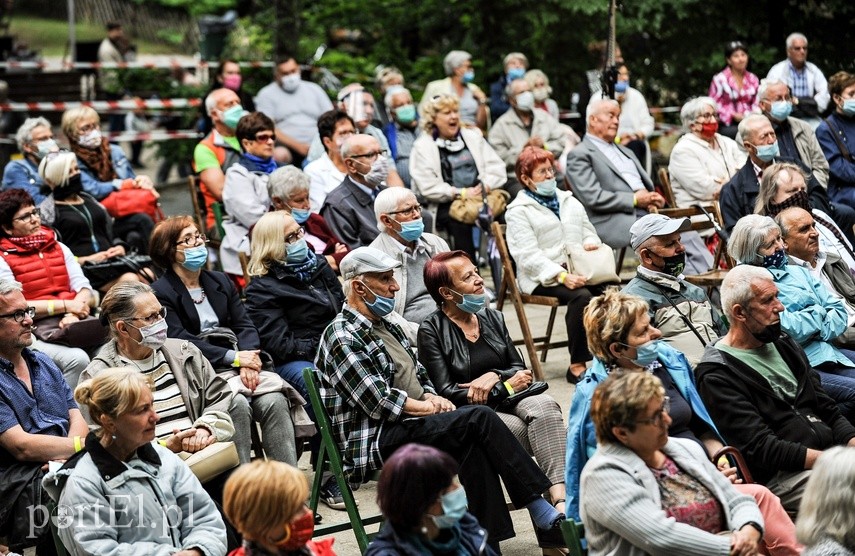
{"x":204,"y":158}
{"x":47,"y":410}
{"x":770,"y":365}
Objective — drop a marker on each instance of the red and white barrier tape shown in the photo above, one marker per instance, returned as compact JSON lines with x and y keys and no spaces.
{"x":103,"y":105}
{"x":156,"y":135}
{"x":124,"y":65}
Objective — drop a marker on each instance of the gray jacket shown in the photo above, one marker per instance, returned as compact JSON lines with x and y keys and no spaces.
{"x":152,"y":504}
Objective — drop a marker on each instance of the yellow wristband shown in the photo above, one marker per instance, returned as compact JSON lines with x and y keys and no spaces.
{"x":634,"y":201}
{"x":562,"y":277}
{"x":463,"y":193}
{"x":509,"y":387}
{"x":77,"y":444}
{"x":236,"y":362}
{"x":50,"y":308}
{"x":162,"y":443}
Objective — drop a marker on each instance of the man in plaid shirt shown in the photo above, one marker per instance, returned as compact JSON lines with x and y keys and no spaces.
{"x":379,"y":397}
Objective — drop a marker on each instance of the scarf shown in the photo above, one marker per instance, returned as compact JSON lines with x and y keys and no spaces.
{"x":98,"y":160}
{"x":32,"y":242}
{"x":449,"y":546}
{"x":257,"y":164}
{"x":549,"y":202}
{"x":451,"y":145}
{"x":302,"y":271}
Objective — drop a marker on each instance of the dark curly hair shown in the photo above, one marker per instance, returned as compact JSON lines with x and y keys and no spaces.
{"x":11,"y":201}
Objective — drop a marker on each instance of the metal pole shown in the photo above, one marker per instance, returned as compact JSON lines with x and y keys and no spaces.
{"x":72,"y":35}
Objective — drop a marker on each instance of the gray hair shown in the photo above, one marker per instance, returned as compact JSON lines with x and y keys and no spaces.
{"x":509,"y":87}
{"x":795,"y":36}
{"x":784,"y":218}
{"x":120,"y":303}
{"x":747,"y":124}
{"x":284,"y":182}
{"x":826,"y":510}
{"x":454,"y":60}
{"x":773,"y":177}
{"x":748,"y":235}
{"x":736,"y":288}
{"x":10,"y":286}
{"x":533,"y":75}
{"x":594,"y":107}
{"x":765,"y":84}
{"x":394,"y":91}
{"x":692,"y":109}
{"x":515,"y":56}
{"x":210,"y":103}
{"x":24,"y":134}
{"x":347,"y":147}
{"x":388,"y":201}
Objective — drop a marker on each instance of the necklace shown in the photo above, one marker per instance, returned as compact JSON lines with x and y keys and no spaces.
{"x":200,"y":300}
{"x":463,"y":326}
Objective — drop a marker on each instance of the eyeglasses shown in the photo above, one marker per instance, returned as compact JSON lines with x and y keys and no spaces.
{"x":373,"y":156}
{"x":735,"y":45}
{"x":35,"y":213}
{"x":414,"y":210}
{"x":152,"y":318}
{"x":265,"y":137}
{"x":293,"y":237}
{"x":192,"y":241}
{"x":708,"y":117}
{"x":799,"y":48}
{"x":20,"y":314}
{"x":544,"y":172}
{"x":657,"y":419}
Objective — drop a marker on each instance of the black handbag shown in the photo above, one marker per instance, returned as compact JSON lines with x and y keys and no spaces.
{"x":511,"y":401}
{"x":104,"y":272}
{"x":85,"y":334}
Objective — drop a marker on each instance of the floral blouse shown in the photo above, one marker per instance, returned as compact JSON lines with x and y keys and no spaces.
{"x":688,"y":500}
{"x":732,"y":100}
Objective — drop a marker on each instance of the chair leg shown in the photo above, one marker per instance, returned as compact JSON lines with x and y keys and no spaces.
{"x":500,"y":295}
{"x":545,"y":347}
{"x":536,"y":368}
{"x":318,"y":480}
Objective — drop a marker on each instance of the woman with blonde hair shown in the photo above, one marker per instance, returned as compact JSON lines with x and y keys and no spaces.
{"x":266,"y":502}
{"x":170,"y":513}
{"x":826,"y":523}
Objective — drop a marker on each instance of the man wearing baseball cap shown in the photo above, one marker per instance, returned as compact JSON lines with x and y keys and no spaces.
{"x":680,"y":310}
{"x":379,"y":397}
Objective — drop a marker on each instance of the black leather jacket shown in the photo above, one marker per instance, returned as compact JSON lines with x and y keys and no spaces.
{"x":444,"y":352}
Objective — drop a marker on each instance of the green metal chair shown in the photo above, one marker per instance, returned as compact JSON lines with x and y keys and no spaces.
{"x":573,"y":533}
{"x":329,"y":457}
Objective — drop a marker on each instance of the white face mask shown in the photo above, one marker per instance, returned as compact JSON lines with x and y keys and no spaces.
{"x":91,"y":139}
{"x":153,"y":335}
{"x":290,"y":82}
{"x":525,"y":101}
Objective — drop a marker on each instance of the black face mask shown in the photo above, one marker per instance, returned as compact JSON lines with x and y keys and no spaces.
{"x":769,"y":333}
{"x":673,"y":265}
{"x":72,"y":188}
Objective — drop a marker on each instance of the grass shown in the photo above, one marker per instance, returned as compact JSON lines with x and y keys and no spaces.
{"x":50,"y":36}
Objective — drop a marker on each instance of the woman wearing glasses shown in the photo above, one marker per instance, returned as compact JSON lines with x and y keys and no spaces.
{"x":621,"y":337}
{"x":734,"y":89}
{"x":245,"y":196}
{"x":646,"y":493}
{"x":204,"y":308}
{"x":52,"y":279}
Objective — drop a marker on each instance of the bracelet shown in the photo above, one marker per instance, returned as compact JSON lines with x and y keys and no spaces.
{"x":50,"y":308}
{"x":77,"y":444}
{"x":634,"y":201}
{"x":236,"y":362}
{"x":562,"y":277}
{"x":162,"y":443}
{"x":508,"y":387}
{"x":64,"y":309}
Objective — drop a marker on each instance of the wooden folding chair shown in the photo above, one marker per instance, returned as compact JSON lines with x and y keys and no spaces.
{"x":328,"y":455}
{"x":665,"y":184}
{"x":508,"y":287}
{"x":198,"y":202}
{"x":573,"y":533}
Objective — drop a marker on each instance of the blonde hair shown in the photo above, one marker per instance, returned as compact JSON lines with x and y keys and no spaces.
{"x":113,"y":392}
{"x":608,"y":318}
{"x":54,"y":170}
{"x":619,"y":400}
{"x":773,"y":177}
{"x":262,"y":495}
{"x":826,"y":510}
{"x":71,"y":116}
{"x":268,"y":243}
{"x":436,"y":105}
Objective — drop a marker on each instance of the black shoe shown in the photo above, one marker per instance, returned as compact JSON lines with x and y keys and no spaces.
{"x":552,"y":537}
{"x":318,"y":518}
{"x":572,"y":378}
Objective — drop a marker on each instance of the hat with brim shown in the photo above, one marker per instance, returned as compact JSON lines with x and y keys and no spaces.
{"x":651,"y":225}
{"x":363,"y":260}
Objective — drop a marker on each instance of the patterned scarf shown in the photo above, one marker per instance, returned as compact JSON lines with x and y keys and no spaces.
{"x":98,"y":160}
{"x":549,"y":202}
{"x":302,"y":271}
{"x":32,"y":242}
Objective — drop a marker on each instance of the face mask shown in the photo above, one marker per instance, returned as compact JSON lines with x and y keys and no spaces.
{"x":469,"y":76}
{"x":379,"y":170}
{"x":673,"y":265}
{"x":382,"y":306}
{"x":90,"y":140}
{"x":232,"y":116}
{"x":646,"y":353}
{"x":297,"y":251}
{"x":709,"y":129}
{"x":472,"y":302}
{"x":195,"y":257}
{"x":454,"y":506}
{"x":153,"y":335}
{"x":621,"y":86}
{"x":515,"y":73}
{"x":232,"y":82}
{"x":525,"y":101}
{"x":849,"y":107}
{"x":767,"y":152}
{"x":778,"y":259}
{"x":546,"y":188}
{"x":300,"y":215}
{"x":781,"y":110}
{"x":798,"y":199}
{"x":412,"y":230}
{"x":72,"y":188}
{"x":541,"y":94}
{"x":406,"y":114}
{"x":298,"y":532}
{"x":290,"y":82}
{"x":769,"y":333}
{"x":45,"y":147}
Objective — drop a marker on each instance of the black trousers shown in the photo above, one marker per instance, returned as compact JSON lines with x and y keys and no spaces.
{"x":486,"y":450}
{"x":576,"y":301}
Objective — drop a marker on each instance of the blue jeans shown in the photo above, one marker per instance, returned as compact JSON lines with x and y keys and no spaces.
{"x":839,"y":384}
{"x":292,"y":373}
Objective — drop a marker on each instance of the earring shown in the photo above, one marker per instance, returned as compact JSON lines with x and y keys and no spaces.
{"x":423,"y":530}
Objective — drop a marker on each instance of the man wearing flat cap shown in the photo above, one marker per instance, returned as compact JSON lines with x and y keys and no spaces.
{"x":379,"y":397}
{"x":680,"y":310}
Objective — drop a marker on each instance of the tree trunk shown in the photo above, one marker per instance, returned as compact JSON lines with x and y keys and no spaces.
{"x":286,"y":27}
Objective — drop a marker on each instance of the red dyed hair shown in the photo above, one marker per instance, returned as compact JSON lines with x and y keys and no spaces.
{"x":529,"y":159}
{"x":437,"y":275}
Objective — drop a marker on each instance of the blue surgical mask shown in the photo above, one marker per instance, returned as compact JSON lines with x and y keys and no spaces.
{"x":469,"y":76}
{"x":849,"y":107}
{"x":297,"y":251}
{"x":472,"y":302}
{"x":300,"y":215}
{"x":195,"y":257}
{"x":621,"y":86}
{"x":781,"y":110}
{"x":767,"y":152}
{"x":646,"y":353}
{"x":778,"y":259}
{"x":412,"y":230}
{"x":454,"y":506}
{"x":516,"y":73}
{"x":546,"y":188}
{"x":45,"y":147}
{"x":232,"y":116}
{"x":381,"y":306}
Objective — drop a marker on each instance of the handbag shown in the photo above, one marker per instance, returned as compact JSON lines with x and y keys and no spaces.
{"x":84,"y":334}
{"x":211,"y":461}
{"x":511,"y":401}
{"x":467,"y":210}
{"x":597,"y":266}
{"x":126,"y":202}
{"x":104,"y":272}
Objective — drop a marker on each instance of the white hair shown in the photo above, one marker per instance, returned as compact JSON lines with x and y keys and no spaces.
{"x":389,"y":200}
{"x":692,"y":109}
{"x":454,"y":60}
{"x":24,"y":135}
{"x":54,"y":170}
{"x":284,"y":182}
{"x":595,"y":105}
{"x":748,"y":235}
{"x":515,"y":56}
{"x":747,"y":124}
{"x":765,"y":84}
{"x":826,"y":510}
{"x":9,"y":286}
{"x":394,"y":91}
{"x":795,"y":36}
{"x":736,"y":288}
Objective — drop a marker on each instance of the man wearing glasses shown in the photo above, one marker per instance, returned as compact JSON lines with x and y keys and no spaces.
{"x":806,"y":81}
{"x":39,"y":421}
{"x":349,"y":208}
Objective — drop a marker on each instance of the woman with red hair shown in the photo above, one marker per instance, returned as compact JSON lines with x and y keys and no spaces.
{"x":543,"y":222}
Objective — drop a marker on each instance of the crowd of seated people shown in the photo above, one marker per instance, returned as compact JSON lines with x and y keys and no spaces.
{"x":124,"y":345}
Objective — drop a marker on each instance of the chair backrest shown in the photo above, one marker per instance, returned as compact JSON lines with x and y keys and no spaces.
{"x":701,"y":224}
{"x":322,"y":420}
{"x":244,"y":263}
{"x":509,"y":277}
{"x":665,"y":183}
{"x":198,"y":203}
{"x":573,"y":534}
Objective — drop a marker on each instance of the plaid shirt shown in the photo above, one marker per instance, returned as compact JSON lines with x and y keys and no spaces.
{"x":356,"y":375}
{"x":799,"y":82}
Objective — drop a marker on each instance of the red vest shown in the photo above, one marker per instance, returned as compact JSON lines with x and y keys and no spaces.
{"x":42,"y":272}
{"x":220,"y":152}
